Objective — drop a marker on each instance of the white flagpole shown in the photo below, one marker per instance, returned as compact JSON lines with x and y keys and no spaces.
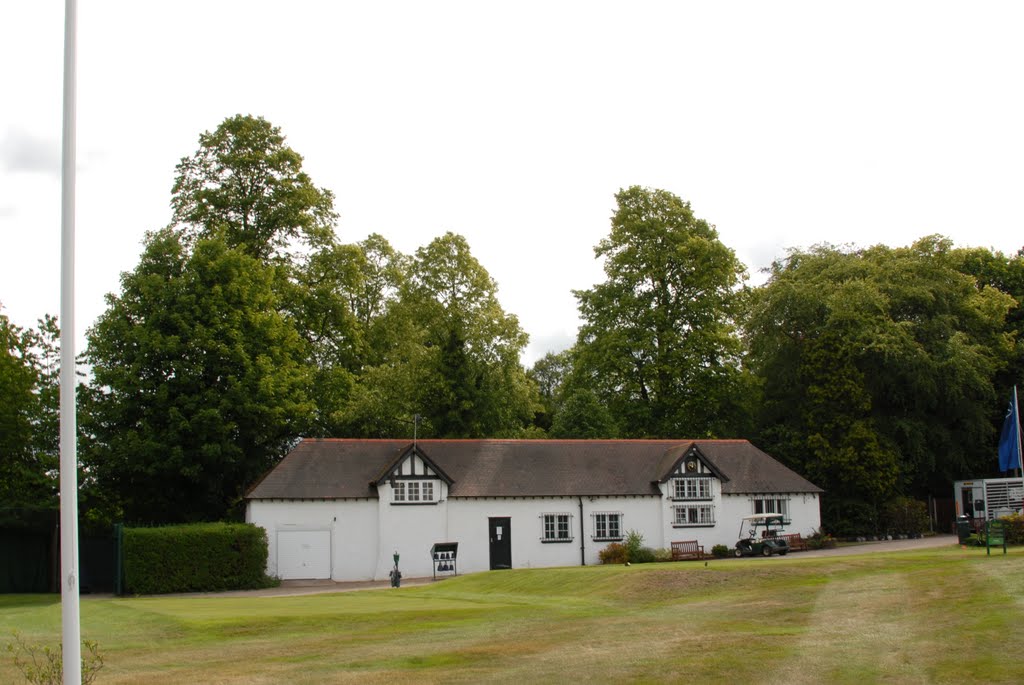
{"x":70,"y":619}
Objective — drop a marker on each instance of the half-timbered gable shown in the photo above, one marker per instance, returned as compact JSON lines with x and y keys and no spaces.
{"x":415,"y":479}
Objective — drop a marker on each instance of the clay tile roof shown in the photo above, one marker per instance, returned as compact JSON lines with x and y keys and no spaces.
{"x":344,"y":469}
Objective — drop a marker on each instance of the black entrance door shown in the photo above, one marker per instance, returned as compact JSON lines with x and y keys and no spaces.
{"x":501,"y":542}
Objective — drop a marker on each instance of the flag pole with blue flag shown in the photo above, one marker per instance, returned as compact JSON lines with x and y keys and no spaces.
{"x":1009,"y":439}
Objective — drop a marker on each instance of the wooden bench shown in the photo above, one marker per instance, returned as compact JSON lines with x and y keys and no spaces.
{"x":687,"y":549}
{"x":795,"y":541}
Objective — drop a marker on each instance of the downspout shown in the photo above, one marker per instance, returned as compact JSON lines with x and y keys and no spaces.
{"x":583,"y":552}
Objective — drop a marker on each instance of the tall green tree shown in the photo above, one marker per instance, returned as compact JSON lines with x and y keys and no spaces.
{"x":383,"y":274}
{"x":447,"y":352}
{"x":28,"y":416}
{"x":477,"y":386}
{"x":199,"y":380}
{"x":343,"y":296}
{"x":581,"y":415}
{"x":317,"y":302}
{"x":658,"y":344}
{"x":550,"y":373}
{"x":1005,"y":273}
{"x":247,"y":186}
{"x":877,"y":367}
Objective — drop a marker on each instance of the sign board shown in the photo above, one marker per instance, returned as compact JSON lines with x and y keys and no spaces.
{"x":995,"y":536}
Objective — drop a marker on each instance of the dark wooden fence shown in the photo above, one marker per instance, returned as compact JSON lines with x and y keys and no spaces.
{"x":30,"y":556}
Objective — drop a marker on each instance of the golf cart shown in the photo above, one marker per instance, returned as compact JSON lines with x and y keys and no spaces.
{"x":759,"y":534}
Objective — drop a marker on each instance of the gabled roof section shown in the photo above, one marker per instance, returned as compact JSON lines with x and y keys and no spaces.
{"x":327,"y":469}
{"x":413,"y":450}
{"x":345,"y":469}
{"x":752,"y":471}
{"x":675,"y":456}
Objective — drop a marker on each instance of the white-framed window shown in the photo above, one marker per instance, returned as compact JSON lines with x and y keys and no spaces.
{"x":413,"y":491}
{"x":772,"y":505}
{"x":691,"y":488}
{"x":693,"y":515}
{"x":607,"y":525}
{"x":556,"y":527}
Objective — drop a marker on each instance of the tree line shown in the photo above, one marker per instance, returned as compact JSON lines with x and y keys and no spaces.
{"x":875,"y":372}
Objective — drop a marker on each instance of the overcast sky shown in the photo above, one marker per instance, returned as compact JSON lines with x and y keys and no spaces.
{"x":514,"y":124}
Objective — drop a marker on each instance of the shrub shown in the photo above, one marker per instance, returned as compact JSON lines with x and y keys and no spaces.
{"x":644,"y":555}
{"x":633,"y":542}
{"x":613,"y":554}
{"x":630,"y":550}
{"x":719,"y":551}
{"x":200,"y":557}
{"x":1014,"y":527}
{"x":46,"y":666}
{"x":663,"y":554}
{"x":820,"y":540}
{"x":905,"y":515}
{"x":849,"y":517}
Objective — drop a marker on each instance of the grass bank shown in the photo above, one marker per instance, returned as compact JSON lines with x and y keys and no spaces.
{"x":935,"y":616}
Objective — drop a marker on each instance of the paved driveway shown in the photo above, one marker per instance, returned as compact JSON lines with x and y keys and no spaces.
{"x":882,"y":546}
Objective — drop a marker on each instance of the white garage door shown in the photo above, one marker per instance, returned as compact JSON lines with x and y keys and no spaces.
{"x":303,"y":554}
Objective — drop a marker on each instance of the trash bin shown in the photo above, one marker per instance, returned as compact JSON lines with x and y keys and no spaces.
{"x":963,"y":528}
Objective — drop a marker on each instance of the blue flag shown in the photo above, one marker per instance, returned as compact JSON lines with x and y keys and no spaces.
{"x":1009,"y":439}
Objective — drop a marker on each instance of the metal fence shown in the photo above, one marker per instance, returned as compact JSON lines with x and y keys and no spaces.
{"x":30,"y":560}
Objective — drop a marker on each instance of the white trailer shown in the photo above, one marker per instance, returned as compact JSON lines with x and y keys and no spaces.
{"x":986,"y":499}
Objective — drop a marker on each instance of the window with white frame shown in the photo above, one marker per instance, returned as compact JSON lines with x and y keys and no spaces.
{"x":607,"y":525}
{"x":693,"y":515}
{"x":413,"y":491}
{"x":691,"y":488}
{"x":556,"y":527}
{"x":772,"y":505}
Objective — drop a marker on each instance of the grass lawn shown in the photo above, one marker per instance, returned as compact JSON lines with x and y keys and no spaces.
{"x":935,"y":616}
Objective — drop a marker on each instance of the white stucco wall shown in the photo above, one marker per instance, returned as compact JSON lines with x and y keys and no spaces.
{"x":352,"y":523}
{"x":804,"y":515}
{"x":469,"y":526}
{"x":366,"y":533}
{"x":410,"y":530}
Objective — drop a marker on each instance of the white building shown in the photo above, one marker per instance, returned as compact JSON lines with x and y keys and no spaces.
{"x":986,"y":499}
{"x":341,"y":509}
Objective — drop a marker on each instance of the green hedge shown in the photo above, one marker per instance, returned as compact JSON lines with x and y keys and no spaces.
{"x":200,"y":557}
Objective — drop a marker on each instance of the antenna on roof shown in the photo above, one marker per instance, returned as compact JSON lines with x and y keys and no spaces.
{"x":415,"y":428}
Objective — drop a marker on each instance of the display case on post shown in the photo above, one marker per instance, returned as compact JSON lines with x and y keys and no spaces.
{"x":445,"y":556}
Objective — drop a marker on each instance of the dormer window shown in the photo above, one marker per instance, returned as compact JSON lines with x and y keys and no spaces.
{"x":414,"y":479}
{"x":691,"y":488}
{"x":413,"y":492}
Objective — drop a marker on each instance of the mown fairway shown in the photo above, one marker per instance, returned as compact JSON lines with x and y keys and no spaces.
{"x":944,"y":615}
